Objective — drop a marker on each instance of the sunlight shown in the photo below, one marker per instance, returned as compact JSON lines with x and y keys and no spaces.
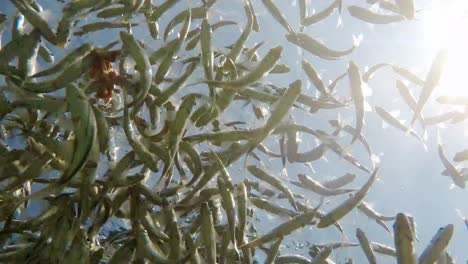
{"x":444,"y":26}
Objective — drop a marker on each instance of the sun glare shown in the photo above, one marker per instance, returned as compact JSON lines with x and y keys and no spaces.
{"x":445,"y":25}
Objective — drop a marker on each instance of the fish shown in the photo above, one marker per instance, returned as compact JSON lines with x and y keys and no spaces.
{"x":283,"y":106}
{"x":262,"y":69}
{"x":406,"y":8}
{"x":371,"y":213}
{"x":432,"y":80}
{"x":319,"y":16}
{"x":388,"y":118}
{"x":316,"y":48}
{"x":273,"y":181}
{"x":461,"y":156}
{"x":176,"y":132}
{"x":71,"y":57}
{"x":208,"y":234}
{"x":404,"y":240}
{"x":310,"y":184}
{"x":344,"y":208}
{"x":86,"y":134}
{"x":274,"y":250}
{"x":272,"y":208}
{"x":358,"y":97}
{"x":409,"y":99}
{"x":457,"y":178}
{"x":228,"y":203}
{"x":340,"y":181}
{"x":207,"y":58}
{"x":283,"y":229}
{"x":383,"y":249}
{"x":369,"y":16}
{"x":283,"y":259}
{"x":370,"y":72}
{"x":37,"y":20}
{"x":453,"y":100}
{"x":276,"y":13}
{"x":322,"y":255}
{"x":366,"y":246}
{"x":96,"y":26}
{"x":314,"y":77}
{"x":437,"y":245}
{"x":352,"y":131}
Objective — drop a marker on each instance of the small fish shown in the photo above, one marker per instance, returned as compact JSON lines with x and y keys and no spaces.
{"x":96,"y":26}
{"x":322,"y":255}
{"x":316,"y":187}
{"x":176,"y":85}
{"x":71,"y":57}
{"x":291,"y":146}
{"x":366,"y":246}
{"x":340,"y":181}
{"x":147,"y":157}
{"x":369,"y":16}
{"x":277,"y":15}
{"x":145,"y":246}
{"x":437,"y":245}
{"x":408,"y":75}
{"x":388,"y":118}
{"x":409,"y":99}
{"x":432,"y":80}
{"x":272,"y":208}
{"x":262,"y":69}
{"x":228,"y":204}
{"x":335,"y":147}
{"x":303,"y":8}
{"x":370,"y":72}
{"x":168,"y":54}
{"x":316,"y":48}
{"x":34,"y":18}
{"x":241,"y":200}
{"x":406,"y":95}
{"x":208,"y":234}
{"x":319,"y":16}
{"x":283,"y":229}
{"x":283,"y":106}
{"x":206,"y":52}
{"x":441,"y":118}
{"x":273,"y":181}
{"x":404,"y":239}
{"x":358,"y":97}
{"x":284,"y":259}
{"x":352,"y":131}
{"x":86,"y":133}
{"x":457,"y":178}
{"x":343,"y":209}
{"x":336,"y":245}
{"x":195,"y":13}
{"x":461,"y":156}
{"x":406,"y":8}
{"x":453,"y":100}
{"x":383,"y":249}
{"x":314,"y":77}
{"x":274,"y":249}
{"x":371,"y":213}
{"x":176,"y":132}
{"x":192,"y":249}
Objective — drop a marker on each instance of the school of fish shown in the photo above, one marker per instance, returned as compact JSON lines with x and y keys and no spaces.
{"x":173,"y":187}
